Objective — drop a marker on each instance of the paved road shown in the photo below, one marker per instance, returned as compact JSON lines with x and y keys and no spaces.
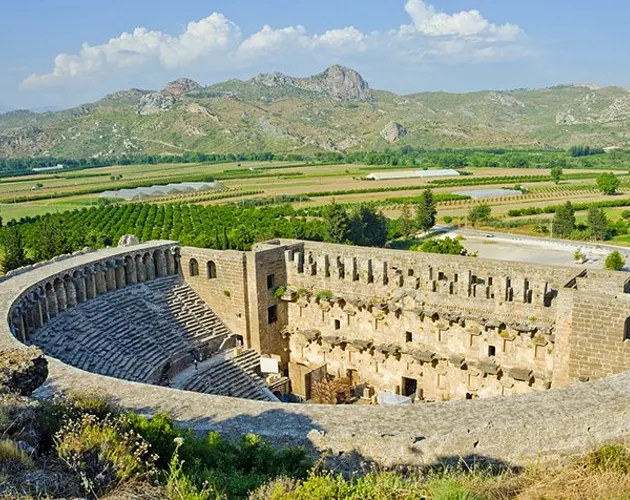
{"x":505,"y":246}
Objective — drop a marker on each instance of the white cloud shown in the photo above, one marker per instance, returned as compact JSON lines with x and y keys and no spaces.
{"x":217,"y":42}
{"x":427,"y":20}
{"x":213,"y":35}
{"x":346,"y":37}
{"x":268,"y":40}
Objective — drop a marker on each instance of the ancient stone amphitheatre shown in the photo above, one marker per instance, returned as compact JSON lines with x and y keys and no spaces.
{"x":511,"y":361}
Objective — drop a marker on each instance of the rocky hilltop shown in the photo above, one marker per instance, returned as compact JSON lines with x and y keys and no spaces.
{"x":335,"y":110}
{"x":181,"y":86}
{"x":393,"y":131}
{"x":337,"y":82}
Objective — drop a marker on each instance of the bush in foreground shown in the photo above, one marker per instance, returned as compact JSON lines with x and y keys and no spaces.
{"x":102,"y":453}
{"x":615,"y":261}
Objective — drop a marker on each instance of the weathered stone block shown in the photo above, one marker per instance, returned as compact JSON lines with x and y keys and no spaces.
{"x":22,"y":370}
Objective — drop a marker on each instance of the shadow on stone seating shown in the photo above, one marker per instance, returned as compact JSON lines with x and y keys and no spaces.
{"x":353,"y":463}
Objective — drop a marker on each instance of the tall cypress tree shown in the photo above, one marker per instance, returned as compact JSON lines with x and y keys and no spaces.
{"x":12,"y":250}
{"x":338,"y":223}
{"x":564,"y":220}
{"x":597,"y":224}
{"x":405,"y":222}
{"x":426,"y":211}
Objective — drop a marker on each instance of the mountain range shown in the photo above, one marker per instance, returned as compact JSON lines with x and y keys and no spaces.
{"x":335,"y":110}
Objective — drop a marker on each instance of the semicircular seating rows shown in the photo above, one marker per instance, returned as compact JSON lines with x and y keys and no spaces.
{"x":149,"y":332}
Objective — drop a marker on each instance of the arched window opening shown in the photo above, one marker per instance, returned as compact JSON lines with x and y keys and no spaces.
{"x":626,"y":330}
{"x":193,"y":267}
{"x":212,"y":270}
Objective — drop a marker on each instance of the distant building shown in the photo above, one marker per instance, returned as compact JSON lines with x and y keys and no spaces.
{"x":411,"y":174}
{"x":48,"y":169}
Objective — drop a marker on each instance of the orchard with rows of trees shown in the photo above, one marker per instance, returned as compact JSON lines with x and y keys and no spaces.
{"x":222,"y":227}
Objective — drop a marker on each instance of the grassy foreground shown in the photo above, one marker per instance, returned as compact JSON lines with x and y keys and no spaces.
{"x":82,"y":445}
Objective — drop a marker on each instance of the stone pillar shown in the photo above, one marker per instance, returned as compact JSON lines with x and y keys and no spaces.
{"x":121,"y":281}
{"x":101,"y":284}
{"x":80,"y":286}
{"x":51,"y":301}
{"x":71,"y":293}
{"x":25,"y":325}
{"x":160,"y":263}
{"x":41,"y":311}
{"x":43,"y":305}
{"x":90,"y":283}
{"x":176,"y":260}
{"x":18,"y":325}
{"x":36,"y":312}
{"x":110,"y":275}
{"x":149,"y":263}
{"x":28,"y":317}
{"x":60,"y":292}
{"x":130,"y":271}
{"x":140,"y":269}
{"x":170,"y":262}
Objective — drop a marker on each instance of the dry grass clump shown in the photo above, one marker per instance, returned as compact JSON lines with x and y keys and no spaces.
{"x":103,"y":453}
{"x":10,"y":452}
{"x":601,"y":474}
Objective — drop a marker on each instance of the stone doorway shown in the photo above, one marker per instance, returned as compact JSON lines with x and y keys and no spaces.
{"x":409,"y":387}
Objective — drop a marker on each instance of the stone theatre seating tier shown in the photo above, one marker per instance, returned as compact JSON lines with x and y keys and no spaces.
{"x":236,"y":376}
{"x":132,"y":333}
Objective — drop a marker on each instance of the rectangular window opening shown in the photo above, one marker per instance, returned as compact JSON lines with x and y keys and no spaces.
{"x":272,"y":314}
{"x":271,"y":281}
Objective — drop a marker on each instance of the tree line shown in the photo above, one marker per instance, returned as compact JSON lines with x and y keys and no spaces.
{"x":23,"y":166}
{"x":578,"y":156}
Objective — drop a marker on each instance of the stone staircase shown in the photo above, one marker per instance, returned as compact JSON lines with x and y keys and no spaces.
{"x":237,"y":375}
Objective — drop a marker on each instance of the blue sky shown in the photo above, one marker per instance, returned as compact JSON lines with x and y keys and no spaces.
{"x":66,"y":52}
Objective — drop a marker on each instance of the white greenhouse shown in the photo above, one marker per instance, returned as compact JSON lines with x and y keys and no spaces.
{"x":144,"y":193}
{"x":411,"y":174}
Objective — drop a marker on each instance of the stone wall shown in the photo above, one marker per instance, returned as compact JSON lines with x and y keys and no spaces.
{"x":221,"y":280}
{"x":476,"y":285}
{"x":430,"y":357}
{"x":438,"y":327}
{"x":599,"y":344}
